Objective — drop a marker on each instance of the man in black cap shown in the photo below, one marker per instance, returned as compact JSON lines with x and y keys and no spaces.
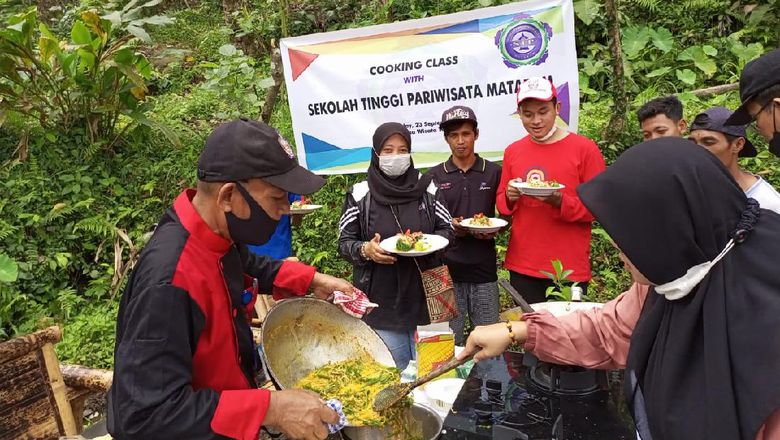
{"x":468,"y":184}
{"x":185,"y":362}
{"x":728,"y":143}
{"x":759,"y":90}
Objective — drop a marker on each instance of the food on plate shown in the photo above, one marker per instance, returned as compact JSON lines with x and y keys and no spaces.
{"x":412,"y":241}
{"x":356,"y":382}
{"x":298,"y":204}
{"x":543,"y":184}
{"x":480,"y":220}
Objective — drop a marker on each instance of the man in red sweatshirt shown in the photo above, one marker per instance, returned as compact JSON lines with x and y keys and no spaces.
{"x":550,"y":228}
{"x":185,"y":361}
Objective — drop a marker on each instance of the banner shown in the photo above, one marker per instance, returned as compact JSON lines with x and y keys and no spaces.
{"x":342,"y":85}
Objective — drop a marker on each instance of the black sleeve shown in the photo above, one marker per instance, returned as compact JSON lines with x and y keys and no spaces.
{"x":442,"y":217}
{"x":350,"y":237}
{"x":152,"y":394}
{"x":261,"y":267}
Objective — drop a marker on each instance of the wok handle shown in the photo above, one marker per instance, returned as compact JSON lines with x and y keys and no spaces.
{"x":519,"y":300}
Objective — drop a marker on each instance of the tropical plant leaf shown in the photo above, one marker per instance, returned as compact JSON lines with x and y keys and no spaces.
{"x":662,"y":39}
{"x":227,"y":50}
{"x":157,"y":20}
{"x":634,"y":40}
{"x":9,"y":270}
{"x":80,"y":34}
{"x":700,"y":59}
{"x":115,"y":17}
{"x":587,"y":10}
{"x":687,"y":76}
{"x":659,"y":72}
{"x":139,"y":33}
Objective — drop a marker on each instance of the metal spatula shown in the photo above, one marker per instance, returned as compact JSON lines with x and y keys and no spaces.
{"x":394,"y":393}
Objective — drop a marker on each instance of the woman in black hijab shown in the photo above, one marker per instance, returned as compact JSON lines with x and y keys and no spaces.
{"x":394,"y":195}
{"x":704,"y":357}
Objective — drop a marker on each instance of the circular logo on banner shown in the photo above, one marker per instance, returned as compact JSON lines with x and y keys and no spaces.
{"x":524,"y":42}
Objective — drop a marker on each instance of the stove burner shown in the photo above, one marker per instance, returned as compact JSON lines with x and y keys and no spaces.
{"x":563,"y":379}
{"x":500,"y":402}
{"x":566,"y":380}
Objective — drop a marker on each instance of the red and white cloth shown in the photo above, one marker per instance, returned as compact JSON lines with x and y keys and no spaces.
{"x":356,"y":304}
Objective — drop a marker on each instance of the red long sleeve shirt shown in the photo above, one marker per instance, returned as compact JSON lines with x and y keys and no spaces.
{"x":540,"y":232}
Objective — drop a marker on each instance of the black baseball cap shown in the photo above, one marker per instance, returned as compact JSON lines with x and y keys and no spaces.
{"x":245,"y":149}
{"x":714,"y":119}
{"x":757,"y":76}
{"x":459,"y":113}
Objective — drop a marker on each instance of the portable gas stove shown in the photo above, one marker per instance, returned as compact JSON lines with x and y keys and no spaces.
{"x":515,"y":397}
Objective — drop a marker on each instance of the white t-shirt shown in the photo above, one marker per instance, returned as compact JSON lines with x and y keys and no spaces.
{"x":766,"y":195}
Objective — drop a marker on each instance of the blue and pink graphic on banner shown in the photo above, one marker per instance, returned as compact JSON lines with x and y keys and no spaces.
{"x":343,"y":84}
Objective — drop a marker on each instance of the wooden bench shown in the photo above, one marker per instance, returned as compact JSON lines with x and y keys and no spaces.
{"x":39,"y":399}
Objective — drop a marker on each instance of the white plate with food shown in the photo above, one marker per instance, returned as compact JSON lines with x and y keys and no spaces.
{"x":414,"y":244}
{"x":303,"y":209}
{"x":541,"y":188}
{"x":482,"y":224}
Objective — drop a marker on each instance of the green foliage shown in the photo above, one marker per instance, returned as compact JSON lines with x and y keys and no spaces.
{"x":560,"y":278}
{"x":9,"y":270}
{"x":236,"y":78}
{"x":92,"y":85}
{"x":89,"y":337}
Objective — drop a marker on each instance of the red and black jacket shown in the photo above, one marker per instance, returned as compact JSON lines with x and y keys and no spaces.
{"x":184,"y":360}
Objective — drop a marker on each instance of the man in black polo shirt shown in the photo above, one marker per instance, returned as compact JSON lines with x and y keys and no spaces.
{"x":468,"y":184}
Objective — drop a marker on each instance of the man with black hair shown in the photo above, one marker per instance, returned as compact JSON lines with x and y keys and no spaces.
{"x":728,"y":143}
{"x":468,"y":184}
{"x":759,"y":90}
{"x":661,"y":117}
{"x":556,"y":227}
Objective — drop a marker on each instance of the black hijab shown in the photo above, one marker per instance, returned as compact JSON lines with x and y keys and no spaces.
{"x":706,"y":366}
{"x":387,"y":190}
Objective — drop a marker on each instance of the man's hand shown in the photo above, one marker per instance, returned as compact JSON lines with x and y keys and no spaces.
{"x":553,"y":199}
{"x":485,"y":235}
{"x":324,"y":285}
{"x":376,"y":253}
{"x":460,"y":231}
{"x":299,"y":415}
{"x":512,"y":193}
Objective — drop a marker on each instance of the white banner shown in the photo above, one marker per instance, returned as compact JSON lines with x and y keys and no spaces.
{"x":343,"y":84}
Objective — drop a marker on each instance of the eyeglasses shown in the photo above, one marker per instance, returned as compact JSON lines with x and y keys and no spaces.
{"x":754,"y":117}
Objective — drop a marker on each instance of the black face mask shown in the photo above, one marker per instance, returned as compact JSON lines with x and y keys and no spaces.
{"x":255,"y":230}
{"x":774,"y":143}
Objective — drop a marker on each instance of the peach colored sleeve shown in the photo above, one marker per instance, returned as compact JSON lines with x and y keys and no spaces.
{"x":596,"y":338}
{"x":771,"y":429}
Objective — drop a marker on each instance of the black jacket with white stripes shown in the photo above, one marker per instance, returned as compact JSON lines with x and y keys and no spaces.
{"x":396,"y":288}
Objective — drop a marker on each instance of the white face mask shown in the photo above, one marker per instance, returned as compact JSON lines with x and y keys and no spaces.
{"x":682,"y":286}
{"x":395,"y":164}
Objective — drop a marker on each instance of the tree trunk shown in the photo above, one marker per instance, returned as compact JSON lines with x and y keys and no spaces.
{"x":273,"y":92}
{"x":617,"y":123}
